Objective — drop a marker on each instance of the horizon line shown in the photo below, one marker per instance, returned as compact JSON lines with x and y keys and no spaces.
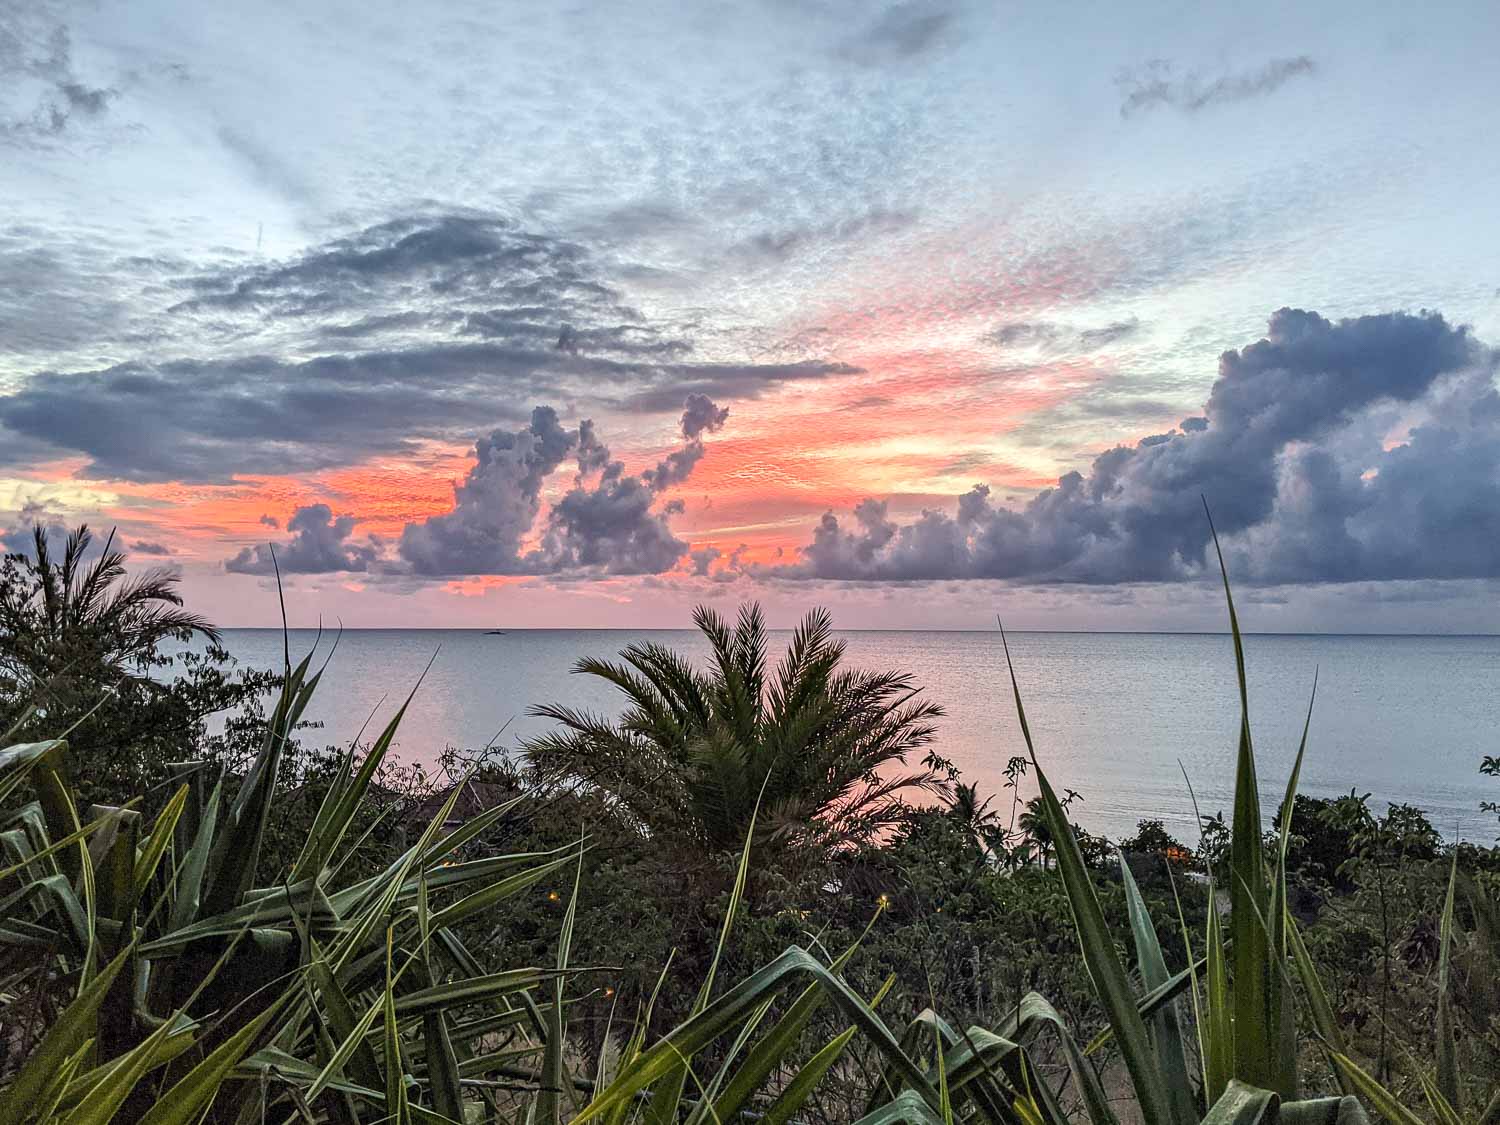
{"x":490,"y":631}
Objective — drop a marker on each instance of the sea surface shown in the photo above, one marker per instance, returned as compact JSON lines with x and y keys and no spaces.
{"x":1120,"y":717}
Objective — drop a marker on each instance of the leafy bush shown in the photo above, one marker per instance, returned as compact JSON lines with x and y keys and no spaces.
{"x":167,"y":976}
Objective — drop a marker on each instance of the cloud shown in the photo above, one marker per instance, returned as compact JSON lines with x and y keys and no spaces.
{"x":1054,"y":338}
{"x":1156,"y":85}
{"x":455,"y":316}
{"x":1291,"y":453}
{"x":20,"y":538}
{"x":703,"y":558}
{"x":319,"y":544}
{"x":270,"y":520}
{"x":608,"y":522}
{"x":142,"y":547}
{"x":901,"y":32}
{"x":43,"y":93}
{"x":495,"y":505}
{"x":699,"y":414}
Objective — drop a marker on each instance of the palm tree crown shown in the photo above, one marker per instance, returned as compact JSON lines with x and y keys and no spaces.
{"x":66,"y":618}
{"x":823,"y":748}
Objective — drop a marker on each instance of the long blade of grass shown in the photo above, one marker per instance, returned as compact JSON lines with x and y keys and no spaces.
{"x":1100,"y":958}
{"x":1165,"y":1029}
{"x":1447,"y":1049}
{"x":77,"y":1023}
{"x":1262,"y":1055}
{"x":549,"y":1099}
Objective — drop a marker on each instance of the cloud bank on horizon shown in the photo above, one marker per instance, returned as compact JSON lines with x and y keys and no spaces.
{"x":863,"y":296}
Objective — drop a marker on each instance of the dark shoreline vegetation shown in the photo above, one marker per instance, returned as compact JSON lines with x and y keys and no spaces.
{"x":759,"y":895}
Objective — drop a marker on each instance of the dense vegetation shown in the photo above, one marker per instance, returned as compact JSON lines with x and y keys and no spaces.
{"x":738,"y":900}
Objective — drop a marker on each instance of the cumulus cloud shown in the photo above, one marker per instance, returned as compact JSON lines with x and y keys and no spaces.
{"x":1157,"y":84}
{"x":608,"y":522}
{"x":701,"y":414}
{"x":319,"y":543}
{"x":703,"y":558}
{"x":494,"y":506}
{"x":144,"y":547}
{"x":1292,"y":454}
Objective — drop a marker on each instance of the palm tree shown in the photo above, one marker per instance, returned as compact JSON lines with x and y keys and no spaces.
{"x":54,"y":615}
{"x":979,"y":822}
{"x":72,"y":630}
{"x":821,"y":747}
{"x":1033,"y":824}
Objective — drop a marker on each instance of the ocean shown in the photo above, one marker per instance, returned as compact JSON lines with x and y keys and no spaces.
{"x":1119,"y":717}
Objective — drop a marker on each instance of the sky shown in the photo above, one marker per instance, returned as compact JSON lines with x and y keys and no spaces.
{"x":501,"y":315}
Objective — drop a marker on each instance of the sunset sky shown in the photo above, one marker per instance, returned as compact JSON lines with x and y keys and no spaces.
{"x":489,"y":314}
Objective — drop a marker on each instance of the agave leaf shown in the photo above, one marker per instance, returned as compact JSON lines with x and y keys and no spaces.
{"x":397,"y":1106}
{"x":549,"y":1100}
{"x":1324,"y":1111}
{"x":339,"y":807}
{"x":1242,"y":1104}
{"x":776,"y":1044}
{"x":157,"y":843}
{"x":49,"y":850}
{"x":270,"y":1061}
{"x":47,"y":1105}
{"x":1035,"y":1011}
{"x":188,"y":886}
{"x":1383,"y":1100}
{"x":1217,"y":1030}
{"x":1166,"y":1032}
{"x":1103,"y":963}
{"x":16,"y":762}
{"x":1442,"y":1108}
{"x":800,"y":1088}
{"x":1447,"y":1051}
{"x":1264,"y":1055}
{"x":235,"y":856}
{"x":699,"y":1030}
{"x":352,"y":1048}
{"x":191,"y":1095}
{"x":1324,"y":1021}
{"x":906,"y":1108}
{"x":77,"y":1023}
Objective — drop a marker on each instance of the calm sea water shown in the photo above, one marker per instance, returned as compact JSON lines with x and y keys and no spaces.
{"x":1402,"y":718}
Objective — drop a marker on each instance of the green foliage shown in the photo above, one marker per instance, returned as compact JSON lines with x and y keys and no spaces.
{"x":689,"y":760}
{"x":174,"y":980}
{"x":81,"y":653}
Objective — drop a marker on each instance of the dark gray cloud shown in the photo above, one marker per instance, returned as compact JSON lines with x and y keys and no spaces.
{"x":608,"y":522}
{"x":495,"y":505}
{"x":20,"y":537}
{"x":456,"y":317}
{"x":144,"y":547}
{"x":1157,"y":84}
{"x":319,"y":544}
{"x":701,"y":414}
{"x":1291,"y":454}
{"x":612,"y":528}
{"x":270,"y":520}
{"x":703,"y":558}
